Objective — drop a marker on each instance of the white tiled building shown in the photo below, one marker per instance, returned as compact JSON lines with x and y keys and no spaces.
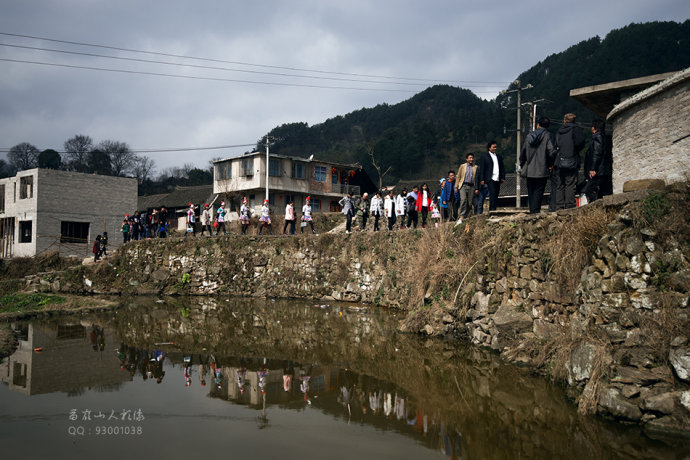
{"x":289,"y":178}
{"x":51,"y":210}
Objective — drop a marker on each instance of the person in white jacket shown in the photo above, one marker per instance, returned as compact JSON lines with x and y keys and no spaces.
{"x":389,"y":209}
{"x":376,"y":209}
{"x":401,"y":207}
{"x":206,"y":220}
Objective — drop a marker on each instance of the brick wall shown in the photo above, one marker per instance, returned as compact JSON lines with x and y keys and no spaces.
{"x":643,"y":137}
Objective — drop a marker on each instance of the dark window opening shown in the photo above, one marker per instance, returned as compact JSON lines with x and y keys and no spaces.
{"x":74,"y":232}
{"x":26,"y":187}
{"x":25,"y":231}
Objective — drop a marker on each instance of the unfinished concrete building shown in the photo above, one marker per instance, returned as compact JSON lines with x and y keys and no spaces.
{"x":45,"y":210}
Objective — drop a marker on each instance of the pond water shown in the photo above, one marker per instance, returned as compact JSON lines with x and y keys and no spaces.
{"x":174,"y":378}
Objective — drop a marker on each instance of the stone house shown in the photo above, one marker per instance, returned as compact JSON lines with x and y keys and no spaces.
{"x":289,"y":178}
{"x":50,"y":210}
{"x":650,"y":118}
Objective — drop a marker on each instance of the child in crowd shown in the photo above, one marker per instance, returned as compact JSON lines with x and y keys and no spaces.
{"x":96,"y":249}
{"x":220,"y":218}
{"x":191,"y":221}
{"x":435,"y":212}
{"x":245,"y":216}
{"x":104,"y":245}
{"x":125,"y":229}
{"x":306,"y":216}
{"x":206,"y":220}
{"x":265,"y":219}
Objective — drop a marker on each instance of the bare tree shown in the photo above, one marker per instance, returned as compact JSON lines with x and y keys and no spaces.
{"x":23,"y":156}
{"x":77,"y":150}
{"x":122,"y":159}
{"x":370,"y":151}
{"x":143,"y":168}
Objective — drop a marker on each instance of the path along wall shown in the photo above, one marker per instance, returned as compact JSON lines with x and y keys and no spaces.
{"x":596,"y":297}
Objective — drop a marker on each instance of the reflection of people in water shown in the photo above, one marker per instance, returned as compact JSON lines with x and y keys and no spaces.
{"x":187,"y":371}
{"x":217,"y":370}
{"x":262,"y":374}
{"x":203,"y":369}
{"x":304,"y":383}
{"x":97,"y":338}
{"x":288,"y":372}
{"x":452,"y":441}
{"x":156,"y":366}
{"x":242,"y":379}
{"x":375,"y":398}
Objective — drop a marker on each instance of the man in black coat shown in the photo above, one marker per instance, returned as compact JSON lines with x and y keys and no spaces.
{"x":599,"y":163}
{"x":570,"y":140}
{"x":491,"y":175}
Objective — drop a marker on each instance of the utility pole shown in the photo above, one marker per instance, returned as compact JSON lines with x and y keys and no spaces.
{"x":518,"y":90}
{"x":533,"y":110}
{"x":268,"y":142}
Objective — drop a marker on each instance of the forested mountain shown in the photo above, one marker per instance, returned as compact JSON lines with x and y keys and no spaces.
{"x":634,"y":51}
{"x":414,"y":137}
{"x":425,"y":135}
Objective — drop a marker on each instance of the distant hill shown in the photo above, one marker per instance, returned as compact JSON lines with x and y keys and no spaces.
{"x":633,"y":51}
{"x":430,"y":132}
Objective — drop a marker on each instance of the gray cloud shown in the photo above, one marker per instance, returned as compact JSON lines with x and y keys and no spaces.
{"x":462,"y":41}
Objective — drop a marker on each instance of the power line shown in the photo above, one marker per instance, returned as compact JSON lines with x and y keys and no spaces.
{"x":297,"y":69}
{"x":177,"y":64}
{"x":192,"y":77}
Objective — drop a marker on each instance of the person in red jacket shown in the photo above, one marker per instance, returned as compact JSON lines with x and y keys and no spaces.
{"x":96,"y":249}
{"x":423,"y":203}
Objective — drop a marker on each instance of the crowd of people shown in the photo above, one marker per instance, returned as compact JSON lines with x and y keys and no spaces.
{"x":543,"y":158}
{"x":546,"y":158}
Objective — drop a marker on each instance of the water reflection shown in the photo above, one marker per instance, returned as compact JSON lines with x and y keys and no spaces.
{"x":285,"y":361}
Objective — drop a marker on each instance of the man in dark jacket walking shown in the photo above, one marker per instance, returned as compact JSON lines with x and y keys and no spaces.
{"x":598,"y":163}
{"x":536,"y":159}
{"x":491,"y":175}
{"x":570,"y":140}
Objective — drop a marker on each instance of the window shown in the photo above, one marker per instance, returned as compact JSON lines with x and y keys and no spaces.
{"x":223,"y":171}
{"x":25,"y":231}
{"x":74,"y":232}
{"x":334,"y":176}
{"x":315,"y":204}
{"x":2,"y":198}
{"x":320,"y":173}
{"x":26,"y":187}
{"x":274,"y":168}
{"x":248,"y":166}
{"x":298,"y":171}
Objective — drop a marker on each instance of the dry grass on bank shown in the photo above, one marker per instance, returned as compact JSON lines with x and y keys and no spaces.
{"x":20,"y":267}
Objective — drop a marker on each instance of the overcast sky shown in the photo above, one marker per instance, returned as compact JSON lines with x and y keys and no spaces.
{"x":314,"y":44}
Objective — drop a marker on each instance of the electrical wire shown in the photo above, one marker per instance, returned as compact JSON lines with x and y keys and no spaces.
{"x":297,"y":69}
{"x":196,"y":66}
{"x":192,"y":77}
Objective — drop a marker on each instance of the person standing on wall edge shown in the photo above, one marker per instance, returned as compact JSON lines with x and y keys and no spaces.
{"x":492,"y":174}
{"x":570,"y":139}
{"x":536,"y":159}
{"x":599,"y":163}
